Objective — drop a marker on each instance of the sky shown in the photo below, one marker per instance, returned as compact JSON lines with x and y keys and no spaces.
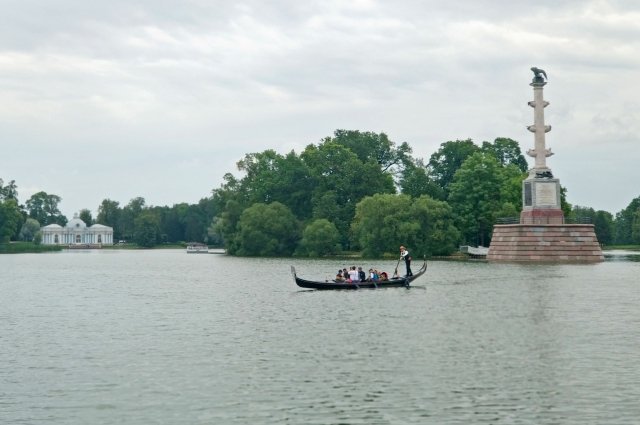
{"x":159,"y":99}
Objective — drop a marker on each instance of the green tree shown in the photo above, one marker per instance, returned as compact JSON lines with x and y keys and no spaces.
{"x":43,"y":207}
{"x":383,"y":222}
{"x":475,"y":197}
{"x":146,"y":231}
{"x":510,"y":191}
{"x":326,"y":205}
{"x":319,"y":238}
{"x":635,"y":227}
{"x":29,"y":230}
{"x":273,"y":177}
{"x":438,"y":234}
{"x":10,"y":219}
{"x":507,"y":152}
{"x":226,"y":226}
{"x":210,"y":208}
{"x":324,"y":181}
{"x":338,"y":172}
{"x":109,"y":215}
{"x":267,"y":230}
{"x":582,"y":214}
{"x":195,"y":224}
{"x":231,"y":202}
{"x":444,"y":163}
{"x":10,"y":191}
{"x":128,"y":216}
{"x":173,"y":224}
{"x":604,"y":227}
{"x":415,"y":181}
{"x":369,"y":146}
{"x":624,"y":223}
{"x":85,"y":215}
{"x":565,"y":206}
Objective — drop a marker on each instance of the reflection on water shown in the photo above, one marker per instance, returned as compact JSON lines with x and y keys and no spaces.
{"x":621,"y":255}
{"x":165,"y":337}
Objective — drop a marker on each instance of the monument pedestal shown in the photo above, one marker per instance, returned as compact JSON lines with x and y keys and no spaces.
{"x":547,"y":216}
{"x":543,"y":235}
{"x":541,"y":201}
{"x":553,"y":243}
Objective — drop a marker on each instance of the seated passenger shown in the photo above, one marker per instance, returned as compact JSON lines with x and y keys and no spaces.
{"x":373,"y":277}
{"x":361,"y":274}
{"x":384,"y":276}
{"x":339,"y":277}
{"x":353,"y":274}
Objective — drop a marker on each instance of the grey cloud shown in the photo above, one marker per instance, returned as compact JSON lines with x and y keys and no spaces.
{"x":124,"y":78}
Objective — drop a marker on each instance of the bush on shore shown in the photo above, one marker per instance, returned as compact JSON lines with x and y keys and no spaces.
{"x":27,"y":247}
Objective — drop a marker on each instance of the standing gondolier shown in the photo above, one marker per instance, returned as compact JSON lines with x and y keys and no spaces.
{"x":404,"y":255}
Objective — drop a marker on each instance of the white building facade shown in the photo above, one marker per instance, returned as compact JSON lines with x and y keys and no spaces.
{"x":76,"y":232}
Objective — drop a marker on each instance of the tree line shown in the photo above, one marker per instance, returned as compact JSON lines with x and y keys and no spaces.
{"x":352,"y":191}
{"x":135,"y":222}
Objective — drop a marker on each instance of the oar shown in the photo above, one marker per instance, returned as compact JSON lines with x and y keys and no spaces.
{"x":395,"y":272}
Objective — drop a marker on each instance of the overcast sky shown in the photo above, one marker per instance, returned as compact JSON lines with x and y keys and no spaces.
{"x":159,"y":99}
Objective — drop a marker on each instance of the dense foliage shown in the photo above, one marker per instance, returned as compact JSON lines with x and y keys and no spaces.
{"x":383,"y":222}
{"x":135,"y":222}
{"x":627,"y":224}
{"x":353,"y":191}
{"x":320,"y":237}
{"x":266,"y":229}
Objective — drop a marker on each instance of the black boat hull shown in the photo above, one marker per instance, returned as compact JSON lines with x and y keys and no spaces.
{"x":403,"y":282}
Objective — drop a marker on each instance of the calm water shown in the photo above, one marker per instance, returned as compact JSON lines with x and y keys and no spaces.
{"x":162,"y":337}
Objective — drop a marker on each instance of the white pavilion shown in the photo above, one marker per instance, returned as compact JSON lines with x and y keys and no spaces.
{"x":76,"y":232}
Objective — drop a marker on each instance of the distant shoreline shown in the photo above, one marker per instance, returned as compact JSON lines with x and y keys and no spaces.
{"x":31,"y":248}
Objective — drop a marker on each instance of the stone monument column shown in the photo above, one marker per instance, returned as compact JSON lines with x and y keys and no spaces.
{"x":540,"y":191}
{"x":542,"y":235}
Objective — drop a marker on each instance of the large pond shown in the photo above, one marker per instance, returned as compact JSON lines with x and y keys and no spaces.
{"x":162,"y":337}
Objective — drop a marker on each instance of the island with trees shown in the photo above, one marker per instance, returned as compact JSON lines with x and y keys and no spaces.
{"x":354,"y":191}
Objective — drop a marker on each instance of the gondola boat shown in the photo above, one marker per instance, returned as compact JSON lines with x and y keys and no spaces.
{"x":400,"y":282}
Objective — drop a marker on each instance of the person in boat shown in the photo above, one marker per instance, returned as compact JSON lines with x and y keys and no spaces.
{"x":345,"y":274}
{"x":339,"y":277}
{"x":404,"y":255}
{"x":361,"y":274}
{"x":353,"y":274}
{"x":384,"y":276}
{"x":373,"y":276}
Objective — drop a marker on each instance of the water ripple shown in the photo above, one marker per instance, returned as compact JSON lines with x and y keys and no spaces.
{"x":163,"y":337}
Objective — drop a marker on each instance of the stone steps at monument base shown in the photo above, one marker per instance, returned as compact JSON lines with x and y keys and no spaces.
{"x":541,"y":247}
{"x":512,"y":232}
{"x":530,"y":257}
{"x":555,"y":243}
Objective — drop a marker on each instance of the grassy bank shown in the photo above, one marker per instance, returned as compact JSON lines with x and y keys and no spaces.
{"x":26,"y":247}
{"x":625,"y":247}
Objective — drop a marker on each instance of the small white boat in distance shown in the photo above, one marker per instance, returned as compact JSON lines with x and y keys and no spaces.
{"x":197,"y":248}
{"x":474,"y":252}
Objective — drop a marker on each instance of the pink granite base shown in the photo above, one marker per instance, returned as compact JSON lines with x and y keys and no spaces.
{"x":545,"y":243}
{"x":542,"y":216}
